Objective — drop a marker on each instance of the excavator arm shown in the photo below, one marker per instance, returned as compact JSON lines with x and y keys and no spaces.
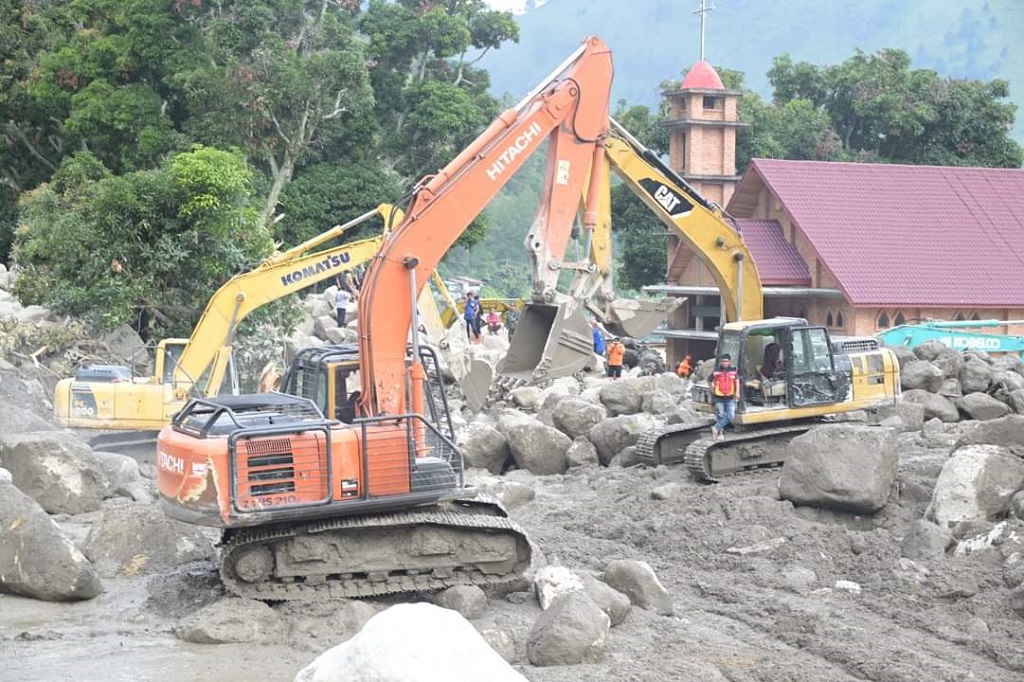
{"x":204,"y":360}
{"x":570,"y":109}
{"x":699,"y":223}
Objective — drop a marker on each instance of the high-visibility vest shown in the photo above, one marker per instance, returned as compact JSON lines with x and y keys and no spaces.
{"x":684,"y":369}
{"x":724,"y":382}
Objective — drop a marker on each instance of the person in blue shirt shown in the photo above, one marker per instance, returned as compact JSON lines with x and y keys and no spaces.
{"x":471,"y":317}
{"x":598,"y":338}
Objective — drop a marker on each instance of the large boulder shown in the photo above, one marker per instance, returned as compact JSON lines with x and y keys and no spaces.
{"x":617,"y":433}
{"x":925,"y":540}
{"x":982,"y":407}
{"x":625,"y":396}
{"x":538,"y":447}
{"x":615,"y":604}
{"x":16,"y":419}
{"x":935,"y":406}
{"x":552,"y":582}
{"x":407,"y":642}
{"x":132,"y":539}
{"x":658,"y":402}
{"x":975,"y":376}
{"x":911,"y":415}
{"x":847,"y":467}
{"x":904,"y":355}
{"x":921,"y":374}
{"x":485,"y":447}
{"x":949,"y":362}
{"x":977,"y":482}
{"x":571,"y":631}
{"x":37,"y":559}
{"x":56,"y":469}
{"x":1007,"y":432}
{"x":929,"y":350}
{"x":582,"y":453}
{"x":232,"y":621}
{"x":469,"y":600}
{"x":637,"y":580}
{"x":575,"y":417}
{"x":1015,"y":400}
{"x":1009,"y":363}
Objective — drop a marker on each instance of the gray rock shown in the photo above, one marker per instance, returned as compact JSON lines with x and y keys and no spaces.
{"x":911,"y":415}
{"x":929,"y":350}
{"x":949,"y":362}
{"x":56,"y":469}
{"x":392,"y":646}
{"x":799,"y":579}
{"x":1013,"y":572}
{"x":502,"y":640}
{"x":935,"y":406}
{"x":950,"y":388}
{"x":975,"y":376}
{"x":625,"y":396}
{"x":526,"y":397}
{"x":977,"y":482}
{"x":37,"y":559}
{"x":1015,"y":400}
{"x":626,"y":457}
{"x":582,"y":453}
{"x":670,"y":383}
{"x":667,"y":491}
{"x":1017,"y":505}
{"x":552,"y":582}
{"x":16,"y":419}
{"x":658,"y":402}
{"x":904,"y":355}
{"x":636,"y":579}
{"x":847,"y":467}
{"x":485,"y":447}
{"x":125,"y":343}
{"x":322,"y":323}
{"x":1009,"y":363}
{"x":539,"y":448}
{"x":1017,"y":601}
{"x":925,"y":540}
{"x":982,"y":407}
{"x":122,"y":472}
{"x":1007,"y":380}
{"x":575,"y":417}
{"x":616,"y":433}
{"x":978,"y":355}
{"x":573,"y":630}
{"x":1007,"y":432}
{"x":510,"y":493}
{"x":614,"y":604}
{"x":132,"y":539}
{"x":469,"y":600}
{"x":232,"y":621}
{"x":921,"y":374}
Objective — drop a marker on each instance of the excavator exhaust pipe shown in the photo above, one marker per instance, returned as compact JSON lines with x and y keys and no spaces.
{"x":637,"y":318}
{"x":550,"y":341}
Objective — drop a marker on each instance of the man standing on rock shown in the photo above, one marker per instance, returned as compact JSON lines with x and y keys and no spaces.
{"x":724,"y":384}
{"x":341,"y":300}
{"x":616,"y":352}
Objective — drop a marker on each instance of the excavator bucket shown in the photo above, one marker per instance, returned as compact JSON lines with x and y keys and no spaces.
{"x":637,"y":318}
{"x":550,"y":341}
{"x":476,"y":384}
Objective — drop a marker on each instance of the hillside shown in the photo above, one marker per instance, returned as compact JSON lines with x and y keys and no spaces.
{"x":654,"y":40}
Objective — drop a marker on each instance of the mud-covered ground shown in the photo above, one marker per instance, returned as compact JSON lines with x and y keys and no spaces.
{"x":754,"y":583}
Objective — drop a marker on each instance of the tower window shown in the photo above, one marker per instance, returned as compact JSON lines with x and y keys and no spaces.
{"x":711,"y":102}
{"x":883,"y":320}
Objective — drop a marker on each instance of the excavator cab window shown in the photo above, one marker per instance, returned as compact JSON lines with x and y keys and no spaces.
{"x":812,"y":377}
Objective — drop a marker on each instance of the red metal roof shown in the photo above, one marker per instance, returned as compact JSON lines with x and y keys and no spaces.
{"x":777,"y":261}
{"x":909,"y":235}
{"x":702,"y":76}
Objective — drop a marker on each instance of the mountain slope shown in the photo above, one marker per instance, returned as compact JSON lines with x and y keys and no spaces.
{"x":654,"y":40}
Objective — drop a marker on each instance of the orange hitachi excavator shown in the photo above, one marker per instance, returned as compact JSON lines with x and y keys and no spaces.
{"x":374,"y":501}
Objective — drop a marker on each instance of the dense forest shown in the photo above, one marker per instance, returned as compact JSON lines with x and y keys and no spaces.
{"x":149,"y":149}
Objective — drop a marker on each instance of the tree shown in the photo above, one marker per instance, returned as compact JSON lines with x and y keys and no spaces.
{"x":146,"y":248}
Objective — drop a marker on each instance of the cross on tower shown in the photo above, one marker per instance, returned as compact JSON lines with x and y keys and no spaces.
{"x":702,"y":11}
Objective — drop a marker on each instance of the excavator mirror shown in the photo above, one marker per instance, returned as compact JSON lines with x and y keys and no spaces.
{"x":550,"y":341}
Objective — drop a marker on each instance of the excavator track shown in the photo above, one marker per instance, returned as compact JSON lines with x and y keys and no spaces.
{"x":707,"y":459}
{"x":470,"y":542}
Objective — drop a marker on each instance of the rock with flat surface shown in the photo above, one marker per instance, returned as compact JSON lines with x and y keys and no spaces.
{"x":1007,"y":432}
{"x":847,"y":467}
{"x":56,"y":469}
{"x":935,"y":406}
{"x":982,"y":407}
{"x":571,"y":631}
{"x":975,"y":376}
{"x":921,"y":374}
{"x":16,"y":419}
{"x":925,"y":540}
{"x":468,"y":600}
{"x":484,"y":447}
{"x":977,"y":482}
{"x":232,"y":620}
{"x":37,"y":559}
{"x":575,"y":417}
{"x":615,"y":604}
{"x":582,"y":453}
{"x":539,"y":448}
{"x":625,"y":396}
{"x":552,"y":582}
{"x":132,"y":539}
{"x":637,"y":580}
{"x":412,"y":643}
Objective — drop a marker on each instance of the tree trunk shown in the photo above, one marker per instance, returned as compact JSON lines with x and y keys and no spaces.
{"x":282,"y":175}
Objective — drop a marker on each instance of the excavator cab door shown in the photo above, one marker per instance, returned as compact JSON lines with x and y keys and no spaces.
{"x":810,"y":368}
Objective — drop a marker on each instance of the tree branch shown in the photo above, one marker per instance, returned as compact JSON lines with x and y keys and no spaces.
{"x":20,"y":134}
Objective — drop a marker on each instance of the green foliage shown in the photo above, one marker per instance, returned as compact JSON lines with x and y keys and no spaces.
{"x":639,"y":242}
{"x":146,"y":248}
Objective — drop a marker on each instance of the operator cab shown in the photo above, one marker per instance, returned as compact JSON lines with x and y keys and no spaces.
{"x":783,"y":363}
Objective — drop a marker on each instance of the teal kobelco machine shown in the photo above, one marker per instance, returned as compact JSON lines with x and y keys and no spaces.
{"x":954,"y":335}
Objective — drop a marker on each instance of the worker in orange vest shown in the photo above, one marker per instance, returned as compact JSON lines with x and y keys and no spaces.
{"x":684,"y":368}
{"x":616,"y":352}
{"x":724,"y":383}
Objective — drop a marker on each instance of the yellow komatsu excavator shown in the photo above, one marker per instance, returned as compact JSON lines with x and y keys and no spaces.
{"x":791,"y":373}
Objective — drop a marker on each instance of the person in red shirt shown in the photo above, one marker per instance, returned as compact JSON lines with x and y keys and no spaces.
{"x":724,"y":383}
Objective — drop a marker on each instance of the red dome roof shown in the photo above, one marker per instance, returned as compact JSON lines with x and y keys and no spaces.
{"x":702,"y":77}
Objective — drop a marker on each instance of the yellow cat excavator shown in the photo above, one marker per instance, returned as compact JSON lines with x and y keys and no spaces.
{"x":810,"y":375}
